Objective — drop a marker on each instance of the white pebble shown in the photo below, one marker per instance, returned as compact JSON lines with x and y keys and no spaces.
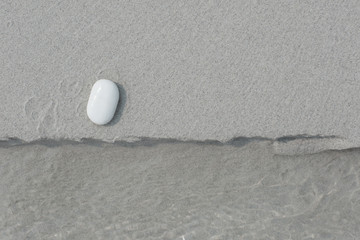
{"x":103,"y":100}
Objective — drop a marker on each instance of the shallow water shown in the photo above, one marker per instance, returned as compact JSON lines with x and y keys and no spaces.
{"x":177,"y":191}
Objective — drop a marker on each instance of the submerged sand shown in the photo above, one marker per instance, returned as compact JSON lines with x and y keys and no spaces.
{"x":177,"y":191}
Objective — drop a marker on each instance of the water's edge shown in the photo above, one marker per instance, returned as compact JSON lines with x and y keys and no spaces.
{"x":286,"y":145}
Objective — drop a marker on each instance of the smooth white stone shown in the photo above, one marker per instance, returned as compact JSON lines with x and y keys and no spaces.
{"x":103,"y":100}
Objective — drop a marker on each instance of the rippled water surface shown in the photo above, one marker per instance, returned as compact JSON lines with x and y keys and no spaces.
{"x":177,"y":191}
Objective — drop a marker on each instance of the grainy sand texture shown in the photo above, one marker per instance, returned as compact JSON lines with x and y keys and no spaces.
{"x":190,"y":70}
{"x":237,"y":120}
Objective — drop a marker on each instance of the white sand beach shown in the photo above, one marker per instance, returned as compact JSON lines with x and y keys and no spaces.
{"x":236,"y":120}
{"x":188,"y":70}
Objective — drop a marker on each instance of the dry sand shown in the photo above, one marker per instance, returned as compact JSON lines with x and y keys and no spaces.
{"x":190,"y":70}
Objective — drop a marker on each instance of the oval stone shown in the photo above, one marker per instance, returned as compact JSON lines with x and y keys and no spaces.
{"x":103,"y":100}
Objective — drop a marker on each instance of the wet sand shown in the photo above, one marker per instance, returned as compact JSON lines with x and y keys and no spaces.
{"x":177,"y":191}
